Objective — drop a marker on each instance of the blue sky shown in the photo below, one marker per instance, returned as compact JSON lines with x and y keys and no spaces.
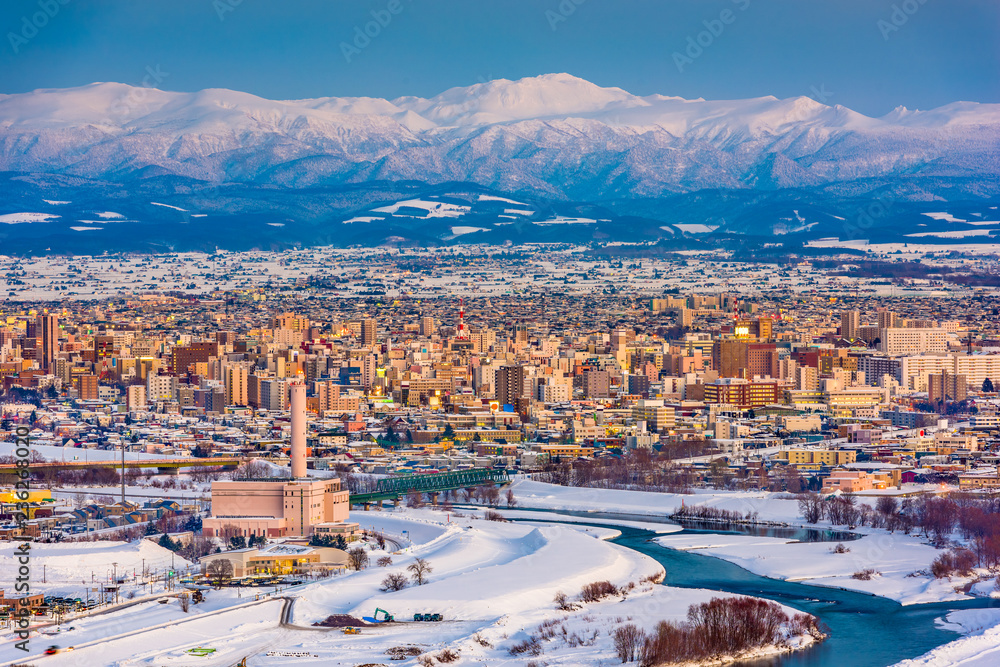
{"x":870,"y":55}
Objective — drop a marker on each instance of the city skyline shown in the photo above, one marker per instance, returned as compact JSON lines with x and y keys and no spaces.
{"x":513,"y":333}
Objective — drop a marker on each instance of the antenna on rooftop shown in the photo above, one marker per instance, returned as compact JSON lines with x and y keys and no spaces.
{"x":462,"y":333}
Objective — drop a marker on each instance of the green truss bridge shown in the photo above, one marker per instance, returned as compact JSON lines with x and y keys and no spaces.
{"x":392,"y":488}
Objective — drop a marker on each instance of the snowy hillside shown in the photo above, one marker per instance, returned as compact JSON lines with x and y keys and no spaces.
{"x":554,"y":135}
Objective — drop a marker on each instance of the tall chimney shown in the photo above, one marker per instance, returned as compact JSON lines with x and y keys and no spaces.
{"x":298,"y":408}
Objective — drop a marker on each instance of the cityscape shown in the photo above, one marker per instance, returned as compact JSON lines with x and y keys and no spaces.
{"x":531,"y":371}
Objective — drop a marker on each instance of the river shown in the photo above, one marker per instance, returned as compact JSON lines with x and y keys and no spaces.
{"x":865,"y":630}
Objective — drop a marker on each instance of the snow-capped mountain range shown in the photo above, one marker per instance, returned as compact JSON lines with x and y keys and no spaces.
{"x":555,"y":136}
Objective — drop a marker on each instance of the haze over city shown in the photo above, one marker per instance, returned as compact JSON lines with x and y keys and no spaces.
{"x":514,"y":333}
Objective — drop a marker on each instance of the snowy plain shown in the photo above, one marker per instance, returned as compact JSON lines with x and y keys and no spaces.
{"x":494,"y":582}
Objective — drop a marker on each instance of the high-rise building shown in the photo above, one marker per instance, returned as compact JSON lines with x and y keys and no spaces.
{"x":896,"y":341}
{"x":597,"y":384}
{"x":135,"y":397}
{"x":368,"y":331}
{"x":236,"y":384}
{"x":427,"y":326}
{"x":762,"y":360}
{"x":47,"y":329}
{"x":886,"y":319}
{"x":742,"y":393}
{"x":369,"y":367}
{"x":510,"y":384}
{"x":619,"y":339}
{"x":638,"y":384}
{"x":160,"y":387}
{"x":183,"y":356}
{"x":875,"y":367}
{"x":946,"y":387}
{"x":273,"y":395}
{"x":657,"y":416}
{"x":86,"y":386}
{"x":290,"y":321}
{"x":482,"y":340}
{"x":760,"y":328}
{"x":729,"y":357}
{"x":850,"y":322}
{"x":64,"y":370}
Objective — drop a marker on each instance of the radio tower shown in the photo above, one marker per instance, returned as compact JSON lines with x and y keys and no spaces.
{"x":462,"y":333}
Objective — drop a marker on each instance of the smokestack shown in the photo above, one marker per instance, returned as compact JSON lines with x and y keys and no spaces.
{"x":298,"y":409}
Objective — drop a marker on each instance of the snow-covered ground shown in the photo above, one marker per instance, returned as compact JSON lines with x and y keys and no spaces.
{"x":18,"y":218}
{"x":54,"y":453}
{"x":75,"y":568}
{"x":769,"y":506}
{"x":894,"y":557}
{"x":434,"y":209}
{"x":567,"y":518}
{"x":980,"y":648}
{"x":494,"y":582}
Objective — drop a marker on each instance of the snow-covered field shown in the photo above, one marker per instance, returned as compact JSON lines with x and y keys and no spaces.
{"x":54,"y":453}
{"x":71,"y":567}
{"x":494,"y":582}
{"x":769,"y":506}
{"x":18,"y":218}
{"x":567,"y":518}
{"x":894,"y":557}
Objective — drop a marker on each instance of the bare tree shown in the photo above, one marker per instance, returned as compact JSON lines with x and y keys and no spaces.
{"x":414,"y":498}
{"x":252,"y":469}
{"x":511,"y":500}
{"x":811,"y":506}
{"x":219,"y":571}
{"x":229,"y":531}
{"x":394,"y":581}
{"x":886,"y":505}
{"x":358,"y":558}
{"x":420,"y":568}
{"x":628,"y":640}
{"x":384,"y":561}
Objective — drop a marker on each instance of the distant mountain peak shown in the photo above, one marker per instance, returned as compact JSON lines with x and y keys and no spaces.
{"x":557,"y":135}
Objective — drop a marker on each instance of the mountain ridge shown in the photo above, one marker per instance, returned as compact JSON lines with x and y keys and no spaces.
{"x":555,"y":135}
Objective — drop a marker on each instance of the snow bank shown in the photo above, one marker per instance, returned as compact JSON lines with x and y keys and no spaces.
{"x":17,"y":218}
{"x":568,"y":518}
{"x":483,"y":570}
{"x":768,"y":506}
{"x":895,"y":556}
{"x":981,"y":649}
